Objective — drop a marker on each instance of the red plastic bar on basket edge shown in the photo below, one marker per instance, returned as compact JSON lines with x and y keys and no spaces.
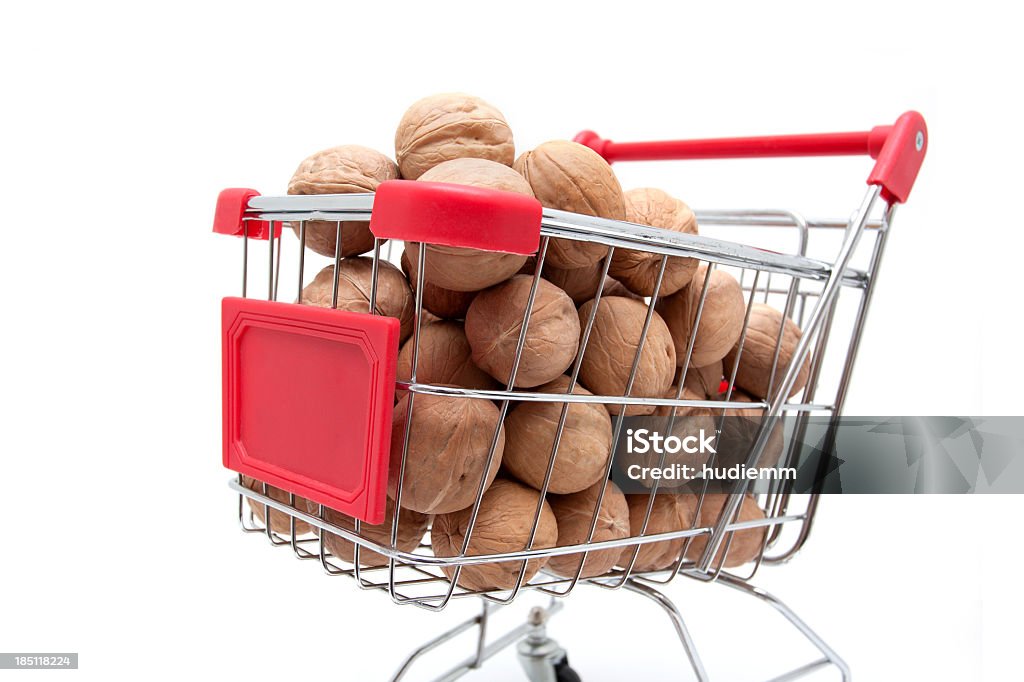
{"x":898,"y":149}
{"x":456,"y":215}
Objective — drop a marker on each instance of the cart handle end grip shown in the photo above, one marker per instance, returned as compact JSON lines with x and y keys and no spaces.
{"x":456,"y":215}
{"x":898,"y":150}
{"x":229,"y":217}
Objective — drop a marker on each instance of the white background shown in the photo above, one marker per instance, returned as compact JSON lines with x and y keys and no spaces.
{"x":122,"y":122}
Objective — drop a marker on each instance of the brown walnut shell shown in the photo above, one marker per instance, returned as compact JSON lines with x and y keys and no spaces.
{"x":704,"y":381}
{"x":669,"y":513}
{"x":739,"y":432}
{"x":411,"y":528}
{"x":581,"y":283}
{"x":503,"y":524}
{"x":721,"y":320}
{"x":449,"y":440}
{"x":346,"y":169}
{"x":574,"y":513}
{"x":572,"y":177}
{"x":612,"y":347}
{"x":638,"y":270}
{"x":444,"y":303}
{"x":745,"y":545}
{"x":355,"y":279}
{"x":461,"y":269}
{"x":280,"y":522}
{"x":688,"y":421}
{"x":583,"y":449}
{"x":444,"y":358}
{"x":755,"y":368}
{"x":494,"y":323}
{"x":450,"y":126}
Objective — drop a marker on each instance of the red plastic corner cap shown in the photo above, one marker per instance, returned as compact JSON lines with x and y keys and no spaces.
{"x":456,"y":215}
{"x":588,"y":138}
{"x":229,"y":216}
{"x":900,"y":158}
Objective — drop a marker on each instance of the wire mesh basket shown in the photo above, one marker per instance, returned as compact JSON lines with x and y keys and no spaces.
{"x":312,"y":428}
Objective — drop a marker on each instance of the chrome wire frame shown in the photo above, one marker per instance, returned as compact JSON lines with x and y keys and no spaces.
{"x":806,"y":290}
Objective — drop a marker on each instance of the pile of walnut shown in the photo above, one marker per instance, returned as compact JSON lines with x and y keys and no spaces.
{"x":476,"y":300}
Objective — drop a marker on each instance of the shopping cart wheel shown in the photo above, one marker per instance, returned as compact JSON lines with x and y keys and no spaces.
{"x":541,"y":657}
{"x":563,"y":673}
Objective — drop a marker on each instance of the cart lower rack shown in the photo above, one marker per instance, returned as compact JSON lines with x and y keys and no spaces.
{"x":323,"y":454}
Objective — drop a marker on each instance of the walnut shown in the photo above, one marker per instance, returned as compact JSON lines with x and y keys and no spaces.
{"x":638,"y":270}
{"x":704,"y":381}
{"x":746,"y":544}
{"x":574,"y":513}
{"x":572,"y":177}
{"x":279,"y":521}
{"x":581,"y":283}
{"x":669,"y":513}
{"x":411,"y":528}
{"x":355,"y":279}
{"x":450,"y":126}
{"x":444,"y":358}
{"x":721,"y":320}
{"x":758,"y":354}
{"x":341,"y":170}
{"x":612,"y":346}
{"x":461,"y":269}
{"x":583,"y":449}
{"x":444,"y":303}
{"x":503,"y":524}
{"x":449,"y":440}
{"x":493,"y":325}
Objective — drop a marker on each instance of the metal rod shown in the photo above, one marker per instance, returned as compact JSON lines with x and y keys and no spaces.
{"x":677,"y":622}
{"x":791,"y":616}
{"x":302,"y":258}
{"x":337,"y":265}
{"x":245,"y":258}
{"x":774,"y":410}
{"x":270,"y":266}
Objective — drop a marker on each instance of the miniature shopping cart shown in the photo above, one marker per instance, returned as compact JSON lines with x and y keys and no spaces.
{"x":284,"y":362}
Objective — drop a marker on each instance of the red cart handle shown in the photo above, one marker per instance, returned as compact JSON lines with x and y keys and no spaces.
{"x":898,"y":150}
